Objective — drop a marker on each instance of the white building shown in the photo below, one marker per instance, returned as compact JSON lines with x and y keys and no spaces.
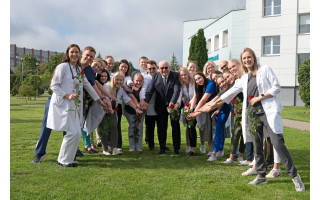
{"x":277,"y":30}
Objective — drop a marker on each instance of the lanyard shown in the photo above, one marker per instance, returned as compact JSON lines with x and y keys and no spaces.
{"x":77,"y":69}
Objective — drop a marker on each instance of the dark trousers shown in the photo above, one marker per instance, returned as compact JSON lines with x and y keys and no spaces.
{"x":278,"y":142}
{"x":162,"y":125}
{"x":235,"y":142}
{"x":119,"y":113}
{"x":150,"y":122}
{"x":192,"y":134}
{"x":44,"y":133}
{"x":176,"y":134}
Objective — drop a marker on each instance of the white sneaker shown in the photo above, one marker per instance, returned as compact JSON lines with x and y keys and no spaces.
{"x":228,"y":161}
{"x":115,"y":151}
{"x":212,"y":158}
{"x":203,"y":149}
{"x":131,"y":149}
{"x":106,"y":153}
{"x":298,"y":183}
{"x":139,"y":150}
{"x":209,"y":153}
{"x":119,"y":149}
{"x":258,"y":180}
{"x":249,"y":172}
{"x":220,"y":154}
{"x":274,"y":174}
{"x":244,"y":163}
{"x":240,"y":159}
{"x":188,"y":149}
{"x":252,"y":163}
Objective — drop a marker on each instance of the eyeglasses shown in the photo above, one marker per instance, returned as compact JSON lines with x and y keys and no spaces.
{"x":151,"y":68}
{"x":162,"y":68}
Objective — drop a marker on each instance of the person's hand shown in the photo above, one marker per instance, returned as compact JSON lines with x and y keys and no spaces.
{"x":215,"y":112}
{"x":135,"y":88}
{"x":138,"y":111}
{"x":178,"y":105}
{"x":71,"y":96}
{"x":113,"y":98}
{"x":146,"y":105}
{"x":255,"y":100}
{"x":206,"y":108}
{"x":191,"y":116}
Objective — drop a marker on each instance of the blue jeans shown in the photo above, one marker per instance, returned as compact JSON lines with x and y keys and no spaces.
{"x":44,"y":133}
{"x":219,"y":134}
{"x":249,"y":151}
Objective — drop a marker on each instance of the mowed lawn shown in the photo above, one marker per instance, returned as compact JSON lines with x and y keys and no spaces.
{"x":139,"y":175}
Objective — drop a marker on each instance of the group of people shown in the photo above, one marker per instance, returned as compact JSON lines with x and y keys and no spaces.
{"x":88,"y":96}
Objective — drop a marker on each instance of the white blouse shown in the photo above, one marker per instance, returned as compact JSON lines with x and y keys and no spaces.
{"x":266,"y":82}
{"x":60,"y":114}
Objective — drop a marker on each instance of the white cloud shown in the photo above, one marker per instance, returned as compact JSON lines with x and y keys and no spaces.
{"x":125,"y":29}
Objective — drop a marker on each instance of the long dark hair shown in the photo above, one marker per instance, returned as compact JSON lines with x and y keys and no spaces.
{"x":66,"y":55}
{"x":66,"y":58}
{"x":127,"y":63}
{"x":200,"y":89}
{"x":98,"y":77}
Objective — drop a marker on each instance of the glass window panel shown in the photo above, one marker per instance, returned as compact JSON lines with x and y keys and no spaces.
{"x":304,"y":19}
{"x":267,"y":50}
{"x":276,"y":49}
{"x":267,"y":3}
{"x":277,"y":3}
{"x":267,"y":11}
{"x":303,"y":57}
{"x":277,"y":10}
{"x":304,"y":28}
{"x":267,"y":41}
{"x":276,"y":40}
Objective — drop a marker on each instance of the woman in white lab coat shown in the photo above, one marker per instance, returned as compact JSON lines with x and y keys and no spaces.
{"x":260,"y":86}
{"x":65,"y":110}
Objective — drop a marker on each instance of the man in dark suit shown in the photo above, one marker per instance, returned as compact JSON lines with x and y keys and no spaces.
{"x":167,"y":86}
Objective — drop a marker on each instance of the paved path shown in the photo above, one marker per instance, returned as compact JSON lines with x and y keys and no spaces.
{"x":296,"y":124}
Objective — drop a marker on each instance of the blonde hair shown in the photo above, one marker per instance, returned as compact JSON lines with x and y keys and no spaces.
{"x":136,"y":75}
{"x":111,"y":84}
{"x":186,"y":71}
{"x":255,"y":63}
{"x":210,"y":62}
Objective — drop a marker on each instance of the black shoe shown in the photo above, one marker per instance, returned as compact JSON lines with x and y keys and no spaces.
{"x":191,"y":153}
{"x":99,"y":144}
{"x":85,"y":149}
{"x":161,"y":152}
{"x":67,"y":165}
{"x":176,"y":151}
{"x":79,"y":153}
{"x":91,"y":151}
{"x":167,"y":149}
{"x":38,"y":159}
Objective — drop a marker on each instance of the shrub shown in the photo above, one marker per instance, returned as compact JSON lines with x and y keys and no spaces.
{"x":304,"y":82}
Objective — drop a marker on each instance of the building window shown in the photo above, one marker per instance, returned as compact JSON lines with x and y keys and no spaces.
{"x":225,"y":38}
{"x":304,"y":23}
{"x":271,"y":45}
{"x":216,"y":42}
{"x":209,"y":45}
{"x":272,"y":7}
{"x":302,"y":57}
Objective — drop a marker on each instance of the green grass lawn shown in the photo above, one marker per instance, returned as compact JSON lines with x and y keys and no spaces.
{"x":16,"y":100}
{"x":298,"y":113}
{"x":139,"y":175}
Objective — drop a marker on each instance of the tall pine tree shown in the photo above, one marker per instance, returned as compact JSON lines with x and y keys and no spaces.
{"x":174,"y":63}
{"x":198,"y":50}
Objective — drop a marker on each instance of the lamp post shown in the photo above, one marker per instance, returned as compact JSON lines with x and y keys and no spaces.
{"x":37,"y":64}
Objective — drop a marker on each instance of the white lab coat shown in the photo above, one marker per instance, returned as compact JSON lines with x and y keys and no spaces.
{"x":59,"y":118}
{"x":266,"y":82}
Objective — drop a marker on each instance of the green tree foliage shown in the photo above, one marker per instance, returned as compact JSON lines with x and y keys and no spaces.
{"x":48,"y":71}
{"x":198,"y":50}
{"x":99,"y":56}
{"x":27,"y":91}
{"x":304,"y":82}
{"x":192,"y":48}
{"x":35,"y":82}
{"x":174,"y":63}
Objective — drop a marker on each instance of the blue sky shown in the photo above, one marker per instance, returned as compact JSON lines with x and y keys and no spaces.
{"x":122,"y":28}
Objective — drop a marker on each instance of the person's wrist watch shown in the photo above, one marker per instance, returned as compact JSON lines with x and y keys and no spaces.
{"x":262,"y":95}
